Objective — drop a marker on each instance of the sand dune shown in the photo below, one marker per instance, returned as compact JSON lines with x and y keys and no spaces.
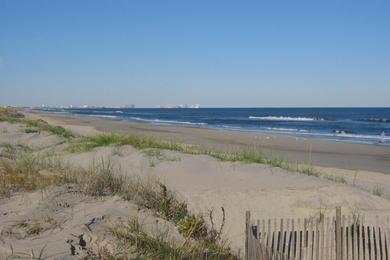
{"x":203,"y":182}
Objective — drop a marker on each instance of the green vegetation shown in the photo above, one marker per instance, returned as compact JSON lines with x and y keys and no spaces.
{"x":338,"y":179}
{"x":10,"y":115}
{"x":142,"y":245}
{"x":31,"y":130}
{"x":156,"y":156}
{"x":31,"y":229}
{"x":84,"y":144}
{"x":378,"y":191}
{"x":24,"y":173}
{"x":13,"y":116}
{"x":11,"y":151}
{"x":44,"y":126}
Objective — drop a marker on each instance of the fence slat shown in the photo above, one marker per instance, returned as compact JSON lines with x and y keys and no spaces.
{"x":317,"y":240}
{"x":365,"y":241}
{"x":381,"y":244}
{"x":299,"y":239}
{"x":247,"y":226}
{"x":360,"y":239}
{"x":349,"y":239}
{"x":369,"y":243}
{"x":387,"y":239}
{"x":322,"y":233}
{"x":377,"y":240}
{"x":269,"y":233}
{"x":356,"y":239}
{"x":311,"y":244}
{"x":274,"y":242}
{"x":304,"y":239}
{"x":327,"y":237}
{"x":382,"y":238}
{"x":375,"y":237}
{"x":338,"y":234}
{"x":343,"y":240}
{"x":341,"y":237}
{"x":287,"y":239}
{"x":332,"y":237}
{"x":293,"y":240}
{"x":280,"y":237}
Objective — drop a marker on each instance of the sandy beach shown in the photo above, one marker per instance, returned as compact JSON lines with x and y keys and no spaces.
{"x":332,"y":154}
{"x":204,"y":183}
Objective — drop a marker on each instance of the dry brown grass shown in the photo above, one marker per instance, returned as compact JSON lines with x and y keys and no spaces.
{"x":24,"y":174}
{"x":142,"y":245}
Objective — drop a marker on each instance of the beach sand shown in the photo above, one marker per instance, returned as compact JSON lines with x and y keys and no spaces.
{"x":206,"y":183}
{"x":361,"y":157}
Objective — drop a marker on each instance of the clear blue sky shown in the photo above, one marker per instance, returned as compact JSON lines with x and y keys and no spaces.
{"x":215,"y":53}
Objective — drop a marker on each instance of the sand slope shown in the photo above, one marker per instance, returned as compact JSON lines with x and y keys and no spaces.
{"x":203,"y":182}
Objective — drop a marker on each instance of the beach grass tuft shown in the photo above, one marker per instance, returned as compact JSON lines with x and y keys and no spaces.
{"x":338,"y":179}
{"x":41,"y":125}
{"x":378,"y":191}
{"x":24,"y":172}
{"x":145,"y":245}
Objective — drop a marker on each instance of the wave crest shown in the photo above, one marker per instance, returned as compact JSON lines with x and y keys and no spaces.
{"x":376,"y":120}
{"x":159,"y":121}
{"x":285,"y":118}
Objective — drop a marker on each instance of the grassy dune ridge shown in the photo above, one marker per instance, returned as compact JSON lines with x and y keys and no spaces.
{"x":13,"y":116}
{"x":87,"y":143}
{"x":84,"y":144}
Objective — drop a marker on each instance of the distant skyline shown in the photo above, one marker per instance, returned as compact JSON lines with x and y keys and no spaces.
{"x":212,"y":53}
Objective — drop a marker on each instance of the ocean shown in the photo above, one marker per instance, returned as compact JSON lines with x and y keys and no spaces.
{"x":358,"y":125}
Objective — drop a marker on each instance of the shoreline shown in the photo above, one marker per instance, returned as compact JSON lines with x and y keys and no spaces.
{"x":335,"y":136}
{"x":323,"y":153}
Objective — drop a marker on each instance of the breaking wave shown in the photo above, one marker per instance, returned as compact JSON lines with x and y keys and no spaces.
{"x":285,"y":118}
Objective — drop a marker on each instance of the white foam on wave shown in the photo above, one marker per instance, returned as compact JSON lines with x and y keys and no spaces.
{"x":284,"y":118}
{"x":329,"y":136}
{"x":377,"y":120}
{"x":159,"y":121}
{"x":286,"y":129}
{"x":104,"y":116}
{"x":347,"y":135}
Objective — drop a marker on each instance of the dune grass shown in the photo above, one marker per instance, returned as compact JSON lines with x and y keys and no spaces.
{"x":378,"y":191}
{"x":11,"y":115}
{"x":29,"y":171}
{"x":24,"y":174}
{"x":85,"y":144}
{"x":41,"y":125}
{"x":145,"y":246}
{"x":338,"y":179}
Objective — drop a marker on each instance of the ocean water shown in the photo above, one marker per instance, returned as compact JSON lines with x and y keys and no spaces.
{"x":360,"y":125}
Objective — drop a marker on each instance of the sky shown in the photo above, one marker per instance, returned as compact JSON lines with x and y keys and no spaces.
{"x":317,"y":53}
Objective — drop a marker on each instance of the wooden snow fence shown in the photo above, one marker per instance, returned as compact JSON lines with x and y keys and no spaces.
{"x":338,"y":238}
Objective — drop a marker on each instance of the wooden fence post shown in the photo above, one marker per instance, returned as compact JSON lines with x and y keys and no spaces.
{"x":247,"y":234}
{"x":338,"y":234}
